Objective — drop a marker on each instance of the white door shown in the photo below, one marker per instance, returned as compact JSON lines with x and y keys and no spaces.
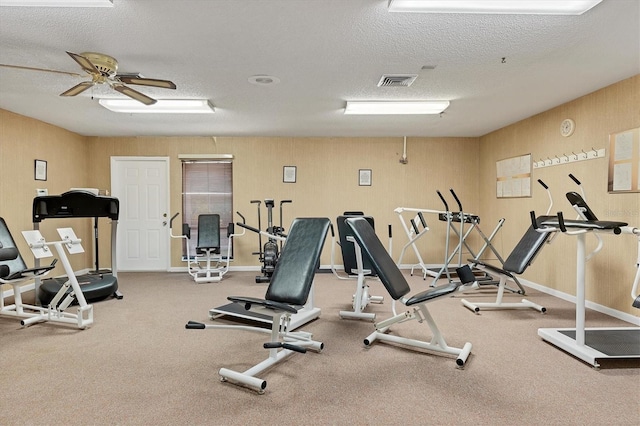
{"x":141,"y":184}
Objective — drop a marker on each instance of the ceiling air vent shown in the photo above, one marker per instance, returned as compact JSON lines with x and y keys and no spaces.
{"x":395,"y":80}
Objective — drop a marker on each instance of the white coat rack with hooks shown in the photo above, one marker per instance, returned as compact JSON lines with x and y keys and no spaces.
{"x":569,"y":157}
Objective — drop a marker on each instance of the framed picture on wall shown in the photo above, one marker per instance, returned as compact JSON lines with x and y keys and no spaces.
{"x":289,"y":174}
{"x":624,"y":161}
{"x":40,"y":170}
{"x":364,"y":177}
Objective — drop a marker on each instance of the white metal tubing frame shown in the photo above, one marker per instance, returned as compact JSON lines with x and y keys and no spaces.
{"x":55,"y":312}
{"x":437,"y":343}
{"x":578,"y":346}
{"x":461,"y":234}
{"x":210,"y":273}
{"x":362,"y":297}
{"x":280,"y":333}
{"x":412,"y":236}
{"x":499,"y":304}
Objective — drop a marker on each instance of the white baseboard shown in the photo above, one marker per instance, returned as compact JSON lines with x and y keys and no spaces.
{"x":635,"y":320}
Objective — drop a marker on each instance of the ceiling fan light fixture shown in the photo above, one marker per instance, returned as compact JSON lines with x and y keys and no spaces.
{"x":508,"y":7}
{"x":162,"y":106}
{"x":58,"y":3}
{"x":395,"y":107}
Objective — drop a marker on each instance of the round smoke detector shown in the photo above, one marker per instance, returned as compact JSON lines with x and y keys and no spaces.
{"x":263,"y":80}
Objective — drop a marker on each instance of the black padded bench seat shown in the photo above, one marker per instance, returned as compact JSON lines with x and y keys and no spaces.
{"x":397,"y":286}
{"x":208,"y":233}
{"x":524,"y":252}
{"x":292,"y":279}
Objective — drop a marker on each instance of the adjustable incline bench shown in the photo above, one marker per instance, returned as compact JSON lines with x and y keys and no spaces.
{"x":518,"y":261}
{"x":287,"y":292}
{"x":397,"y":286}
{"x":522,"y":255}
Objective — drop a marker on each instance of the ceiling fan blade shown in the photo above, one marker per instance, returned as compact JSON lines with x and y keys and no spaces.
{"x":74,"y":74}
{"x":78,"y":88}
{"x":165,"y":84}
{"x":84,"y":63}
{"x":134,"y":94}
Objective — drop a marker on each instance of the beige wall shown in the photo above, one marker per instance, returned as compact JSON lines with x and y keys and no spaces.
{"x":23,"y":140}
{"x":610,"y":110}
{"x":327,"y":178}
{"x":327,"y":181}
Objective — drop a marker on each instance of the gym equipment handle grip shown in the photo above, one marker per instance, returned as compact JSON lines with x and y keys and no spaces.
{"x":561,"y":222}
{"x":446,"y":206}
{"x":192,"y":325}
{"x":543,"y":184}
{"x":534,"y":222}
{"x":250,"y":228}
{"x":457,"y":199}
{"x":173,"y":217}
{"x":574,"y":179}
{"x":275,"y":345}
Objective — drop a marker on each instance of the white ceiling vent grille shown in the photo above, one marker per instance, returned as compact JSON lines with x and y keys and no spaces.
{"x":397,"y":80}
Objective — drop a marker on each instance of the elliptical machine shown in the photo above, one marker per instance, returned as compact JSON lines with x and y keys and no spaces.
{"x":269,"y":253}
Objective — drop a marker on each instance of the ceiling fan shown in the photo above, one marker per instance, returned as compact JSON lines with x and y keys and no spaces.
{"x":103,"y":70}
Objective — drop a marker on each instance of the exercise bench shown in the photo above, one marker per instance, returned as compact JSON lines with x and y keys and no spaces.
{"x":516,"y":263}
{"x":397,"y":286}
{"x":288,"y":291}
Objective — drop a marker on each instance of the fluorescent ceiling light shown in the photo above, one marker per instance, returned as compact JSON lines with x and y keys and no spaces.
{"x":162,"y":106}
{"x":510,"y":7}
{"x":393,"y":107}
{"x":58,"y":3}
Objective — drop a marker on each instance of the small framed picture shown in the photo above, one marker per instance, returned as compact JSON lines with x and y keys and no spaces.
{"x":289,"y":174}
{"x":40,"y":170}
{"x":364,"y":177}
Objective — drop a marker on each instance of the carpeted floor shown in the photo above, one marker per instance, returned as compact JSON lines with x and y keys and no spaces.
{"x":137,"y":365}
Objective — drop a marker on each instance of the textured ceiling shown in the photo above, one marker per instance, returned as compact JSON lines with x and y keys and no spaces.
{"x":324,"y":52}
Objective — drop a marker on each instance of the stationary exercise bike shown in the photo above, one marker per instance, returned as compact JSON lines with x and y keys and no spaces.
{"x":269,"y":253}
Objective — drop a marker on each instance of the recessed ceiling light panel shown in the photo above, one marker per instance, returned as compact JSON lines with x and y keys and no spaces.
{"x":162,"y":106}
{"x":395,"y":107}
{"x":58,"y":3}
{"x":510,"y":7}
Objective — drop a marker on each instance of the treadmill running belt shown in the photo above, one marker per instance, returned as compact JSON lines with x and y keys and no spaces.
{"x":610,"y":342}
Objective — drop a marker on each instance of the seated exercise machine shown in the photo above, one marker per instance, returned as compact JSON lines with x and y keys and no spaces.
{"x":306,"y":313}
{"x":288,"y":291}
{"x":354,"y":268}
{"x":98,"y":284}
{"x":14,"y":271}
{"x":522,"y":255}
{"x":207,"y":248}
{"x":398,"y":288}
{"x":591,"y":344}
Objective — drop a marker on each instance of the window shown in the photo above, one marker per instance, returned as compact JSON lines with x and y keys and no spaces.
{"x":206,"y":189}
